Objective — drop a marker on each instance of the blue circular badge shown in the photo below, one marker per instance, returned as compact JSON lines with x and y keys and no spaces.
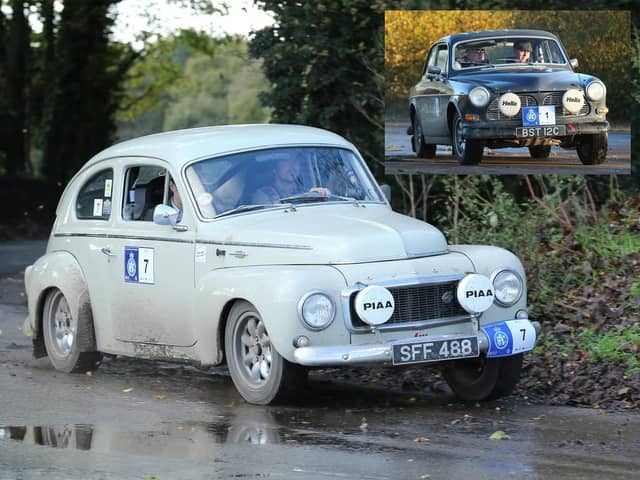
{"x":531,"y":115}
{"x":501,"y":339}
{"x":131,"y":266}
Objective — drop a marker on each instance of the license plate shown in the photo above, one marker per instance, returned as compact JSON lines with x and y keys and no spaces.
{"x":435,"y":350}
{"x":541,"y":131}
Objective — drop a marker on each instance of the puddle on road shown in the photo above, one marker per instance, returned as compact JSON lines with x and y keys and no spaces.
{"x":188,"y":440}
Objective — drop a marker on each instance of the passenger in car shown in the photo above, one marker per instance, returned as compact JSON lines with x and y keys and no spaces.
{"x":522,"y":51}
{"x":176,"y":200}
{"x":474,"y":55}
{"x":286,"y":182}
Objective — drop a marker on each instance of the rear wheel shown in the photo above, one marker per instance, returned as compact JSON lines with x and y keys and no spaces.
{"x":63,"y":335}
{"x":539,"y":151}
{"x":483,"y":378}
{"x":592,"y":149}
{"x":258,"y":371}
{"x":469,"y":152}
{"x":422,"y":149}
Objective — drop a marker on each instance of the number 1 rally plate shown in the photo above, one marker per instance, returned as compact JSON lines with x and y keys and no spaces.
{"x":435,"y":350}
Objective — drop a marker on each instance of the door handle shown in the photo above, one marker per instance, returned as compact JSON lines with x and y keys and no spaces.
{"x":107,"y":251}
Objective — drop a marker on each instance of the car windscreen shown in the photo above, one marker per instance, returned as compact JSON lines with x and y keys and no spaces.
{"x":272,"y":177}
{"x":516,"y":51}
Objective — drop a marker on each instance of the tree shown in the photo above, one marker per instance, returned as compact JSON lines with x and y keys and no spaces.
{"x":13,"y":78}
{"x":86,"y":90}
{"x":325,"y":63}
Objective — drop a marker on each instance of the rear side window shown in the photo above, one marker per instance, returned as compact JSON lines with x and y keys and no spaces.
{"x":95,"y":197}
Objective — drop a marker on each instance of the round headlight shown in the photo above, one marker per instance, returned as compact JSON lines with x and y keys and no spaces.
{"x":479,"y":96}
{"x":596,"y":91}
{"x":316,"y":310}
{"x":508,"y":287}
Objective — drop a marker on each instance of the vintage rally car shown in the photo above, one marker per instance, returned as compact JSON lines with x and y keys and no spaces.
{"x":270,"y":248}
{"x":506,"y":88}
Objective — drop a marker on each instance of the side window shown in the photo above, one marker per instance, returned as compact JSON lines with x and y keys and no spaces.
{"x":443,"y":59}
{"x":431,"y":60}
{"x":144,"y":187}
{"x":94,"y":198}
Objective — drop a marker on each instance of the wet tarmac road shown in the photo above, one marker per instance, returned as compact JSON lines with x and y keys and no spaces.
{"x":138,"y":419}
{"x":400,"y":159}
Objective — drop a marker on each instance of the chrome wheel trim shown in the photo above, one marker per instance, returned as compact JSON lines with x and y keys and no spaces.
{"x":63,"y":327}
{"x":417,"y":135}
{"x":253,"y":350}
{"x":458,"y":138}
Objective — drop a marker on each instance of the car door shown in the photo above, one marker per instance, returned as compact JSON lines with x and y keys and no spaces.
{"x":151,"y":266}
{"x":432,"y":94}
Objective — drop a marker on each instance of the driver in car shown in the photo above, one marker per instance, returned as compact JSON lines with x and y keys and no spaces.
{"x":286,"y":182}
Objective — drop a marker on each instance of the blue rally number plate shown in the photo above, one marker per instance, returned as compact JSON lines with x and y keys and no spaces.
{"x":535,"y":116}
{"x":510,"y":337}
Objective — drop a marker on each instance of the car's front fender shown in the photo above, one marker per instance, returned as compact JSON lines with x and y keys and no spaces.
{"x":275,"y":291}
{"x":487,"y":260}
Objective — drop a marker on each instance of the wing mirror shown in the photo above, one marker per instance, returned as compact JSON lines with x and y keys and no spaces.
{"x":434,"y":70}
{"x":574,"y":63}
{"x":165,"y":215}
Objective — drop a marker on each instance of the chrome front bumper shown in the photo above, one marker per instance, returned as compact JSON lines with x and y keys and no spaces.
{"x":380,"y":353}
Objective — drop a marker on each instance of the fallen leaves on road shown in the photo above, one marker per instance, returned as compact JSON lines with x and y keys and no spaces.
{"x":127,"y":390}
{"x":499,"y":435}
{"x":421,"y":440}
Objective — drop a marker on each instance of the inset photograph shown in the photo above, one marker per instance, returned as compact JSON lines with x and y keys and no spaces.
{"x":508,"y":92}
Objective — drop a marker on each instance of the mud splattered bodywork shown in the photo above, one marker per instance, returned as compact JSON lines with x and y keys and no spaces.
{"x":272,"y":248}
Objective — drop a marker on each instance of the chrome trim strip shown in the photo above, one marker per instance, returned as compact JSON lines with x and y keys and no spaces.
{"x":124,"y":237}
{"x":197,"y":241}
{"x":346,"y":293}
{"x":251,"y":244}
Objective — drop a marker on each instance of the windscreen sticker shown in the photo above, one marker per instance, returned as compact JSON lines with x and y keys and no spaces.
{"x":138,"y":265}
{"x":106,"y":208}
{"x":107,"y":187}
{"x":510,"y":337}
{"x":97,"y":207}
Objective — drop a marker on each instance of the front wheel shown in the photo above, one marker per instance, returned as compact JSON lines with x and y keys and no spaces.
{"x":592,"y":149}
{"x":483,"y":378}
{"x":258,"y":371}
{"x":63,"y":335}
{"x":469,"y":152}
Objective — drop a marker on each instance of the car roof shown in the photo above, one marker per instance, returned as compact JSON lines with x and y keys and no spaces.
{"x":458,"y":37}
{"x":181,"y":146}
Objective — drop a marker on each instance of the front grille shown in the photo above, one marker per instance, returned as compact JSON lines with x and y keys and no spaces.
{"x":555,"y":98}
{"x":418,"y":303}
{"x":494,"y":113}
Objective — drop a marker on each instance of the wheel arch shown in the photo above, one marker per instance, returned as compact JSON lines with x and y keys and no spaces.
{"x":58,"y":271}
{"x":452,"y":109}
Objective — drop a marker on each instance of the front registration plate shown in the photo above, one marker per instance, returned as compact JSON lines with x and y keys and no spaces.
{"x":435,"y":350}
{"x":541,"y":131}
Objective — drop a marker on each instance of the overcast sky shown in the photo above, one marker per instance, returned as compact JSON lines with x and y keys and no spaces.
{"x":133,"y":17}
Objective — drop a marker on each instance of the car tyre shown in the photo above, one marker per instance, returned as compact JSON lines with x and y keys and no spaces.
{"x":422,"y":149}
{"x":539,"y":151}
{"x":469,"y":152}
{"x":592,"y":149}
{"x":483,"y":378}
{"x":259,"y":372}
{"x":65,"y":337}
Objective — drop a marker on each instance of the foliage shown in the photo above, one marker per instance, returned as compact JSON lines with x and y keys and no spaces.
{"x":324,"y":60}
{"x":600,"y":40}
{"x":190,"y":80}
{"x":410,"y":34}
